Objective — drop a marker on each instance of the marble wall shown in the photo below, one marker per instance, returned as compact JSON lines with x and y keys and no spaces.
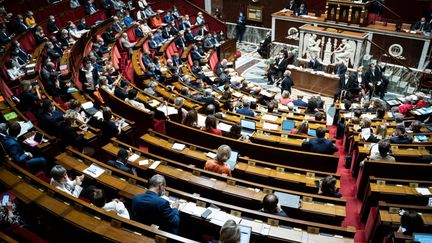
{"x":253,"y":34}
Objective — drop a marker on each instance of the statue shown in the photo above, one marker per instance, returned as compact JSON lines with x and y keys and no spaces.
{"x":312,"y":46}
{"x":343,"y":52}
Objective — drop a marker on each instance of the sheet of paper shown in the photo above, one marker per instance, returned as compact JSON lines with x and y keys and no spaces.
{"x":87,"y":105}
{"x":154,"y":165}
{"x":143,"y":162}
{"x":366,"y":132}
{"x":269,"y":117}
{"x":167,"y":110}
{"x":211,"y":155}
{"x":133,"y":157}
{"x":25,"y":127}
{"x":178,"y":146}
{"x":98,"y":115}
{"x":423,"y":191}
{"x":94,"y":170}
{"x":192,"y":208}
{"x":270,"y":126}
{"x":256,"y":226}
{"x":63,"y":67}
{"x":153,"y":103}
{"x":220,"y":217}
{"x":224,"y":127}
{"x":201,"y":120}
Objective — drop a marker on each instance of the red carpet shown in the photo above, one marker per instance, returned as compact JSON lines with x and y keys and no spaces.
{"x":348,"y":191}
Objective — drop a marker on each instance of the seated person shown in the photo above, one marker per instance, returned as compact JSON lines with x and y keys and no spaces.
{"x":61,"y":181}
{"x":230,"y":232}
{"x":318,"y":116}
{"x":299,"y":101}
{"x":131,"y":99}
{"x":301,"y":10}
{"x":381,"y":151}
{"x":314,"y":64}
{"x":416,"y":126}
{"x":151,"y":208}
{"x":302,"y":129}
{"x":50,"y":118}
{"x":218,"y":164}
{"x":327,"y":187}
{"x":291,"y":5}
{"x":208,"y":99}
{"x":421,"y":25}
{"x":71,"y":134}
{"x":411,"y":222}
{"x":17,"y":153}
{"x":271,"y":205}
{"x":285,"y":98}
{"x":97,"y":197}
{"x":121,"y":161}
{"x":400,"y":137}
{"x":246,"y":109}
{"x":320,"y":144}
{"x":151,"y":86}
{"x":191,"y":119}
{"x":211,"y":126}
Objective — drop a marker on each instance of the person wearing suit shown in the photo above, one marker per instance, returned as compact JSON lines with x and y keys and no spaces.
{"x":287,"y":82}
{"x":88,"y":76}
{"x":89,"y":8}
{"x":373,"y":80}
{"x":314,"y":64}
{"x":121,"y":161}
{"x":301,"y":10}
{"x":422,"y":25}
{"x":291,"y":5}
{"x":189,"y":36}
{"x":52,"y":26}
{"x":208,"y":43}
{"x":320,"y":144}
{"x":181,"y":41}
{"x":347,"y":84}
{"x":151,"y":208}
{"x":13,"y":147}
{"x":340,"y":68}
{"x":400,"y":136}
{"x":271,"y":205}
{"x":263,"y":50}
{"x":241,"y":27}
{"x":20,"y":26}
{"x":168,"y":18}
{"x":50,"y":118}
{"x":183,"y":25}
{"x":299,"y":101}
{"x":153,"y":44}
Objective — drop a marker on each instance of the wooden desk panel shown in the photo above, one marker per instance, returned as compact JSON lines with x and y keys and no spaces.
{"x":314,"y":83}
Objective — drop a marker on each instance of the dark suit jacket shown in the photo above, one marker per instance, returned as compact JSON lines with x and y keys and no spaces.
{"x":196,"y":56}
{"x":119,"y":165}
{"x":315,"y":65}
{"x":49,"y":122}
{"x":14,"y":149}
{"x":320,"y":145}
{"x":149,"y":208}
{"x":340,"y":69}
{"x":401,"y":140}
{"x":372,"y":77}
{"x":52,"y":27}
{"x":291,"y":6}
{"x":180,"y":42}
{"x":423,"y":27}
{"x":287,"y":83}
{"x":301,"y":12}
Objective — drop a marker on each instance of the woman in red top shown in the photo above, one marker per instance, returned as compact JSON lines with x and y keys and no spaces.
{"x":302,"y":129}
{"x":218,"y":164}
{"x":211,"y":126}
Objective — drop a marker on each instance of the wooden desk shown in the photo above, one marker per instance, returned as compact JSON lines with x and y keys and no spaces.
{"x":314,"y":83}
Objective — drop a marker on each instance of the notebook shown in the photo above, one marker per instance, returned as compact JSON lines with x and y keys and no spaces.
{"x":288,"y":200}
{"x":248,"y":127}
{"x":288,"y":125}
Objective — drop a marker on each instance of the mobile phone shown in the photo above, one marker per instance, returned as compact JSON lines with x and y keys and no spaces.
{"x":5,"y":199}
{"x":206,"y":214}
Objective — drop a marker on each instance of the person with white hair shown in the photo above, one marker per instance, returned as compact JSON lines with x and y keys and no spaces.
{"x":287,"y":82}
{"x":151,"y":88}
{"x":126,"y":43}
{"x":218,"y":164}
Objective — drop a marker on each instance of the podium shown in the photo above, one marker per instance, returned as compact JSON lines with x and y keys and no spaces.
{"x":347,"y":11}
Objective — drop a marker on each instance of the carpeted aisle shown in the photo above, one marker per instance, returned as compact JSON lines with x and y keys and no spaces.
{"x":348,"y":191}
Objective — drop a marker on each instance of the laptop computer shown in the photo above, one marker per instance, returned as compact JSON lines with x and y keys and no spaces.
{"x":232,"y":161}
{"x":248,"y":127}
{"x":288,"y":200}
{"x":422,"y":238}
{"x":245,"y":234}
{"x":287,"y":125}
{"x":312,"y":132}
{"x":38,"y":137}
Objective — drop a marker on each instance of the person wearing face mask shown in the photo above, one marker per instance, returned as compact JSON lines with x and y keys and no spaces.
{"x":50,"y":118}
{"x":301,"y":10}
{"x":151,"y":208}
{"x":421,"y":25}
{"x":20,"y":26}
{"x":30,"y":20}
{"x":60,"y":179}
{"x":241,"y":27}
{"x":88,"y":76}
{"x":52,"y":26}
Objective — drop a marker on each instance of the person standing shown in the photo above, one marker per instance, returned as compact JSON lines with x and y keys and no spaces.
{"x":241,"y":27}
{"x":287,"y":82}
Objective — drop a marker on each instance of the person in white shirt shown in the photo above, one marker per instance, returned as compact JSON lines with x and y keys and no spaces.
{"x":131,"y":100}
{"x":126,"y":43}
{"x":97,"y":198}
{"x":200,"y":19}
{"x":61,"y":181}
{"x":74,"y":4}
{"x":142,"y":4}
{"x":145,"y":28}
